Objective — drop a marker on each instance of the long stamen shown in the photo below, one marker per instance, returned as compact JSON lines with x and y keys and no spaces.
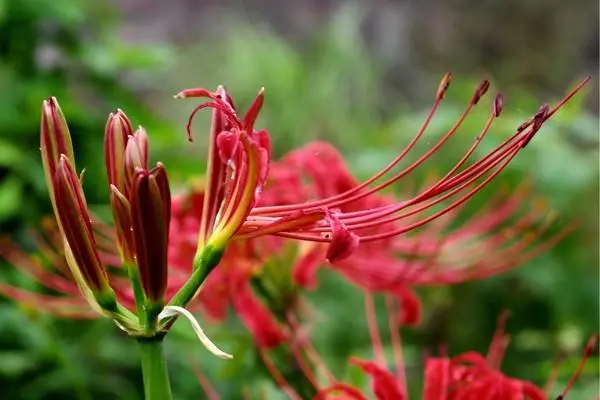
{"x":278,"y":377}
{"x":274,"y":210}
{"x":589,"y":349}
{"x":396,"y":342}
{"x":451,"y":184}
{"x":373,"y":329}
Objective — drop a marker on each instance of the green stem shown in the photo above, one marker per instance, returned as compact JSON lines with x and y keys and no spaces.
{"x":154,"y":369}
{"x":138,"y":291}
{"x":204,"y":262}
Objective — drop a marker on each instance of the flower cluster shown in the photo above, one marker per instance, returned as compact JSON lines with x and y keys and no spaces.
{"x":250,"y":210}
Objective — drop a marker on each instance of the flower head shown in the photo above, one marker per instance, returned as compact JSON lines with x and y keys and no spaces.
{"x":236,"y":180}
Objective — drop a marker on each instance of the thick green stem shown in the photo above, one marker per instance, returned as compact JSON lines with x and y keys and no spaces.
{"x":205,"y":261}
{"x":154,"y":369}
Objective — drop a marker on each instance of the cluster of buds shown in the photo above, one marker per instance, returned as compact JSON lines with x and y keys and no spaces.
{"x":141,"y":205}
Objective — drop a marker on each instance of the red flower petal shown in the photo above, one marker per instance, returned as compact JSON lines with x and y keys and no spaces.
{"x":343,"y":242}
{"x":437,"y":379}
{"x":348,"y":392}
{"x":305,"y":268}
{"x":228,"y":144}
{"x":256,"y":316}
{"x":384,"y":384}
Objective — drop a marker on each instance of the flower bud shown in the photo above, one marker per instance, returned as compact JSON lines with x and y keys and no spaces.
{"x":55,"y":140}
{"x":117,"y":131}
{"x":150,"y":212}
{"x":141,"y":137}
{"x":134,"y":160}
{"x":122,"y":219}
{"x":72,"y":212}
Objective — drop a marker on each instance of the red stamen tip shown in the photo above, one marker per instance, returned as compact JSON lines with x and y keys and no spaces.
{"x":481,"y":90}
{"x":498,"y":102}
{"x":444,"y":83}
{"x":589,"y":349}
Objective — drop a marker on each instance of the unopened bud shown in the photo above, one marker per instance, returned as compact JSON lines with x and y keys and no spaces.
{"x":150,"y":211}
{"x":134,"y":160}
{"x":55,"y":140}
{"x":121,"y":211}
{"x":116,"y":133}
{"x":74,"y":218}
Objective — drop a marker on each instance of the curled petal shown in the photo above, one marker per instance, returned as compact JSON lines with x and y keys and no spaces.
{"x":340,"y":388}
{"x":532,"y":392}
{"x":410,"y":306}
{"x":384,"y":383}
{"x":171,"y":311}
{"x":343,"y":242}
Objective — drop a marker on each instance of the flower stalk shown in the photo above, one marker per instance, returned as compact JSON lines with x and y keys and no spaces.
{"x":154,"y":369}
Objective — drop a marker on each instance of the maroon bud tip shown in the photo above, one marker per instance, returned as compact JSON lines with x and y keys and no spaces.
{"x":141,"y":137}
{"x":134,"y":161}
{"x":481,"y":90}
{"x":443,"y":87}
{"x":150,"y":209}
{"x":118,"y":129}
{"x":498,"y":103}
{"x":55,"y":138}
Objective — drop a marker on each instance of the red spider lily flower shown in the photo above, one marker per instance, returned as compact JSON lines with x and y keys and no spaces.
{"x":466,"y":376}
{"x":502,"y":235}
{"x":470,"y":375}
{"x":236,"y":179}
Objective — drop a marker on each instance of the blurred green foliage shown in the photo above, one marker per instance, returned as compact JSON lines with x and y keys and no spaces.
{"x":328,"y":88}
